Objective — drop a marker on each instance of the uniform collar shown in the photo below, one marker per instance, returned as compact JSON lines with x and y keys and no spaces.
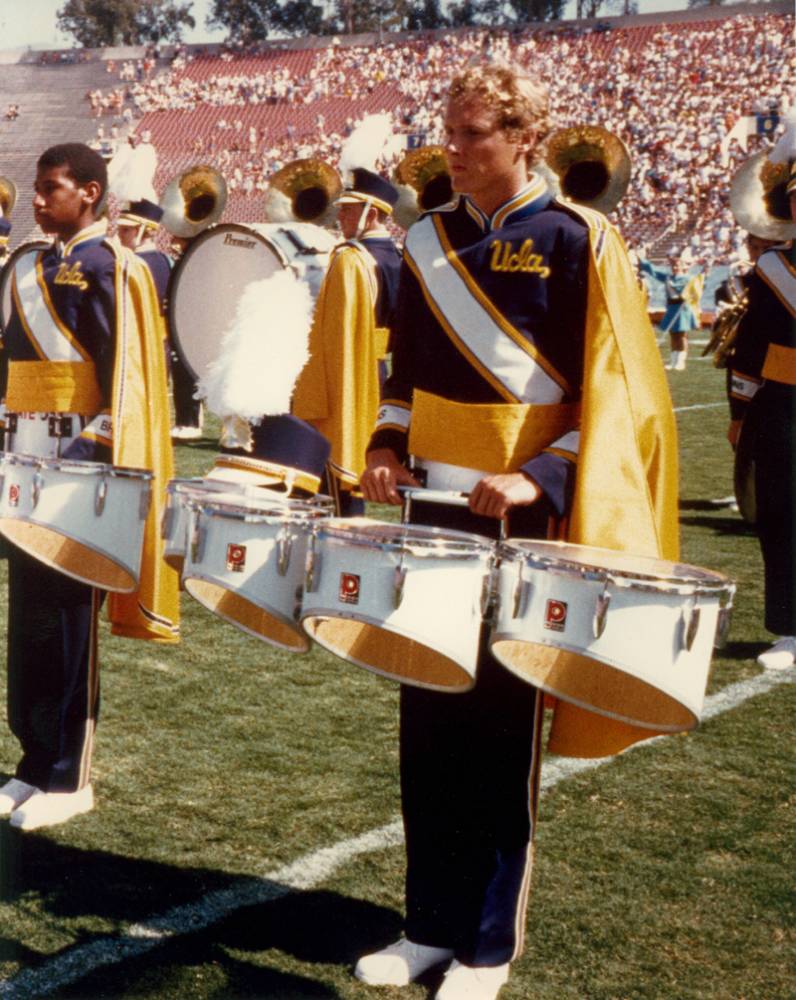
{"x":376,"y":234}
{"x":532,"y":198}
{"x":94,"y":233}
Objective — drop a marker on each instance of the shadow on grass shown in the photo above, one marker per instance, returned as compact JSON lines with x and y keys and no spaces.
{"x":733,"y":525}
{"x":742,"y":650}
{"x":276,"y":927}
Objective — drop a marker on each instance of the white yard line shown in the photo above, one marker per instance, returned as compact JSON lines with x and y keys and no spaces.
{"x":699,"y":406}
{"x":303,"y":874}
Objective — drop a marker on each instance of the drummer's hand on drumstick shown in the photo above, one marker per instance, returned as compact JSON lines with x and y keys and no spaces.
{"x":494,"y":496}
{"x":384,"y":473}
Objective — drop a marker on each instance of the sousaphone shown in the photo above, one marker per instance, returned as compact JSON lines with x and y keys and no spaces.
{"x":590,"y":165}
{"x":194,"y":200}
{"x":8,"y":195}
{"x":424,"y":182}
{"x":303,"y":191}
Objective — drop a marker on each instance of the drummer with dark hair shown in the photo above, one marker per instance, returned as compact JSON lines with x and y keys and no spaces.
{"x":504,"y":292}
{"x":85,"y":382}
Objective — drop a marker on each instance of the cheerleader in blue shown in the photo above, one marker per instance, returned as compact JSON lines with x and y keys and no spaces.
{"x":683,"y":293}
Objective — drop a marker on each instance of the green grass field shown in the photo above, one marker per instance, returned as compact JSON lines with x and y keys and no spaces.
{"x":233,"y":781}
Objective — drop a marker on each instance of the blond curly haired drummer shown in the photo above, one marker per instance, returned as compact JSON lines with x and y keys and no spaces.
{"x":502,"y":296}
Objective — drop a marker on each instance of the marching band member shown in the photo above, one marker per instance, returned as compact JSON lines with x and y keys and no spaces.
{"x":86,"y":381}
{"x":526,"y":373}
{"x":338,"y":391}
{"x":763,"y":409}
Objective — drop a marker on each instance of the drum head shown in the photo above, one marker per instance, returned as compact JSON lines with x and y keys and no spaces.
{"x":5,"y":276}
{"x":207,"y":284}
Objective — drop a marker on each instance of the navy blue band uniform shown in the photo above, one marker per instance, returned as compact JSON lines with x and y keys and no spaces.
{"x":470,"y":763}
{"x":53,"y":678}
{"x":763,"y":395}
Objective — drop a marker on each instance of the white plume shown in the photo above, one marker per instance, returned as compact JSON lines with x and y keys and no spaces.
{"x":262,"y":351}
{"x":785,"y":148}
{"x":278,"y":207}
{"x":365,"y":144}
{"x":131,"y":172}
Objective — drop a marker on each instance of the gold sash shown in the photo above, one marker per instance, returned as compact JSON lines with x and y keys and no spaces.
{"x":780,"y":364}
{"x":53,"y":387}
{"x":493,"y":437}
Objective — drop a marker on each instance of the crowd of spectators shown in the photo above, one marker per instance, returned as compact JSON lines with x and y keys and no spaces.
{"x":671,"y":92}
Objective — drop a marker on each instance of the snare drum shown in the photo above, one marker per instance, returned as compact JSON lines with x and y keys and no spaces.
{"x":625,"y":636}
{"x":404,"y":601}
{"x":84,"y":519}
{"x":245,"y":561}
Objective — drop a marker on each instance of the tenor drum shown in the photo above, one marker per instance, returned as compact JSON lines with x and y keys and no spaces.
{"x":404,"y":601}
{"x":219,"y":265}
{"x":625,"y":636}
{"x":179,"y":494}
{"x":7,"y":271}
{"x":245,"y":562}
{"x":84,"y":519}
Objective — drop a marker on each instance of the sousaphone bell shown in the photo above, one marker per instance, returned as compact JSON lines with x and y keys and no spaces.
{"x":303,"y":191}
{"x":194,"y":200}
{"x":590,"y":164}
{"x":424,"y":182}
{"x":8,"y":196}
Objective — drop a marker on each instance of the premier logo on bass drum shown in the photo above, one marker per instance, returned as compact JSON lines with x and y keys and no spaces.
{"x":238,"y":241}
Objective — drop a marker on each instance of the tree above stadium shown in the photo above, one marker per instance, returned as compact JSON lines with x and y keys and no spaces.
{"x":100,"y":23}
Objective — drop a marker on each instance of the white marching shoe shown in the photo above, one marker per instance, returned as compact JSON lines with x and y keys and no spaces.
{"x":781,"y":655}
{"x":677,"y":361}
{"x":51,"y":808}
{"x":400,"y":963}
{"x":186,"y":433}
{"x":465,"y":982}
{"x":13,"y":794}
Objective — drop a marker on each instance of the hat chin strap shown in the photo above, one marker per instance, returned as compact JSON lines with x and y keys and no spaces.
{"x":362,"y":219}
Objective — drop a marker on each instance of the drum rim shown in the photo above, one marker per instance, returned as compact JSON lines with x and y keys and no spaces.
{"x":174,"y":278}
{"x":342,"y":529}
{"x":256,"y":513}
{"x":709,"y":582}
{"x":79,"y":466}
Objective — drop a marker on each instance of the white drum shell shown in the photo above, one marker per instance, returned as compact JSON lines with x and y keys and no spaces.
{"x":648,"y":666}
{"x":84,"y":519}
{"x":245,"y":563}
{"x":426,"y":636}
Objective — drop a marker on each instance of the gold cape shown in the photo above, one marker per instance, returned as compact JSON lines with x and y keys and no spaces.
{"x":338,"y":390}
{"x":627,"y":481}
{"x":141,"y":440}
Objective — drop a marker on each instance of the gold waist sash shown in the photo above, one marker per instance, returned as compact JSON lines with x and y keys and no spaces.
{"x":494,"y":437}
{"x":780,"y":364}
{"x":53,"y":387}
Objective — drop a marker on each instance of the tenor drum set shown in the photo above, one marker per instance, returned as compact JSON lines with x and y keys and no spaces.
{"x":628,"y":637}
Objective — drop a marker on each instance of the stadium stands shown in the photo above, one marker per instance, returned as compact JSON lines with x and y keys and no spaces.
{"x":672,"y":87}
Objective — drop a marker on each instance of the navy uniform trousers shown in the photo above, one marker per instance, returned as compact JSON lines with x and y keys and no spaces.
{"x":469,"y":784}
{"x":772,"y":420}
{"x":53,"y":673}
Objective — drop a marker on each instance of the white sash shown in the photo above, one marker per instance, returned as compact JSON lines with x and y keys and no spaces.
{"x":52,"y":340}
{"x":474,"y":327}
{"x":774,"y":269}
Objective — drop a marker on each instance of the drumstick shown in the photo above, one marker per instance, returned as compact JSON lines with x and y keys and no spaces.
{"x":449,"y":497}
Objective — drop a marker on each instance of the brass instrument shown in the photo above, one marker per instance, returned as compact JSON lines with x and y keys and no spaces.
{"x":591,"y":165}
{"x":194,"y":200}
{"x":724,"y":330}
{"x":424,"y":182}
{"x":8,"y":196}
{"x":303,"y":191}
{"x":758,"y":198}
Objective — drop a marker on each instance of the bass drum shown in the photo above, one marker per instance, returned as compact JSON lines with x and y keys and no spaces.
{"x":32,"y":246}
{"x":219,"y":265}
